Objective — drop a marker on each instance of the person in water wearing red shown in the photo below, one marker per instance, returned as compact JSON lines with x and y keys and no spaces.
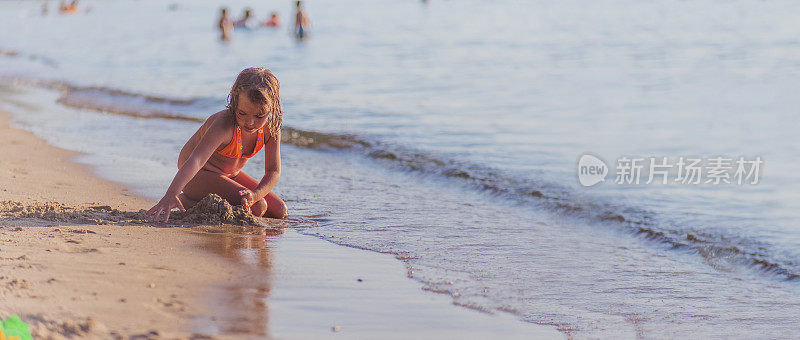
{"x":70,"y":8}
{"x":211,"y":162}
{"x":273,"y":21}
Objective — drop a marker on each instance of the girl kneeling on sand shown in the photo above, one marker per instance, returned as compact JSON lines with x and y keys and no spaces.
{"x":212,"y":160}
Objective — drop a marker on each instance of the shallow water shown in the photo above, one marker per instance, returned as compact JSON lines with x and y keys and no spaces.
{"x":300,"y":287}
{"x":448,"y":133}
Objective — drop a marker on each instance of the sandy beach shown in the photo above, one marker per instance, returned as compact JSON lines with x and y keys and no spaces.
{"x":77,"y":279}
{"x":79,"y":261}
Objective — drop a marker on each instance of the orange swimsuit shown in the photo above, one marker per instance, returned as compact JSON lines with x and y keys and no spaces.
{"x":234,"y":148}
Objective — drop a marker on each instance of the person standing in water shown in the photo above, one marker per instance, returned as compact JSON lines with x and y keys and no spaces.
{"x":225,"y":25}
{"x":301,"y":21}
{"x":244,"y":22}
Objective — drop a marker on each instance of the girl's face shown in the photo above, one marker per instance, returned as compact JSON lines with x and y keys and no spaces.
{"x":249,"y":116}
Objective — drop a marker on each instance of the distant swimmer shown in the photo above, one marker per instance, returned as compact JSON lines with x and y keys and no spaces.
{"x":70,"y":8}
{"x":245,"y":20}
{"x":225,"y":25}
{"x":273,"y":21}
{"x":301,"y":21}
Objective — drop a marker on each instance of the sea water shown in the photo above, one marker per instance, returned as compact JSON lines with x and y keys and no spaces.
{"x":448,"y":133}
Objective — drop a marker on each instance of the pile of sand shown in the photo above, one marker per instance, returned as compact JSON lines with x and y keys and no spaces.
{"x":215,"y":210}
{"x":211,"y":210}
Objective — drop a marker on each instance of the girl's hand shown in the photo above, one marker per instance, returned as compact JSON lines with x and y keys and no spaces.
{"x":248,"y":198}
{"x":165,"y":205}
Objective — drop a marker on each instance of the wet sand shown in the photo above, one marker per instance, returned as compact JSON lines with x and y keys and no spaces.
{"x":78,"y":260}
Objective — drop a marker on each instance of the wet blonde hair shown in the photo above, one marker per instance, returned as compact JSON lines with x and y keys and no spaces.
{"x":261,"y":87}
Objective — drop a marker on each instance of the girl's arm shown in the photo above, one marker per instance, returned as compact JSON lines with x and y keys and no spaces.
{"x":209,"y":143}
{"x":272,"y":169}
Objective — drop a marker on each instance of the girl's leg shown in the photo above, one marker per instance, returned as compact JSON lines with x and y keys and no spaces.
{"x":273,"y":205}
{"x":186,"y":201}
{"x":207,"y":182}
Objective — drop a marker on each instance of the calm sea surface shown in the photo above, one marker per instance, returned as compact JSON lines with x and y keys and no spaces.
{"x":448,"y":133}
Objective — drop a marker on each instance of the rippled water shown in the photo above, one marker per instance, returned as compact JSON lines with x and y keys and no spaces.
{"x":448,"y":133}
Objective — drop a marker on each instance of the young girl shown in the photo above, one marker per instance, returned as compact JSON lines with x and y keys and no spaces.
{"x":212,"y":160}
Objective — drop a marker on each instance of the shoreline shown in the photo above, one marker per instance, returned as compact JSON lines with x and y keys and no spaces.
{"x":50,"y":173}
{"x":135,"y":279}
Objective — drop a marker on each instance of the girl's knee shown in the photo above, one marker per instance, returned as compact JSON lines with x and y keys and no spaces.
{"x":279,"y":210}
{"x":259,"y":208}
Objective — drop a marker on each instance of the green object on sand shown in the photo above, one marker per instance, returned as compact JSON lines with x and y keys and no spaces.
{"x":14,"y":328}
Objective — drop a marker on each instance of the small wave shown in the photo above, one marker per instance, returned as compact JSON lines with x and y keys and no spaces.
{"x":128,"y":104}
{"x":720,"y":251}
{"x":115,"y":101}
{"x":125,"y":103}
{"x":35,"y":57}
{"x":318,"y":140}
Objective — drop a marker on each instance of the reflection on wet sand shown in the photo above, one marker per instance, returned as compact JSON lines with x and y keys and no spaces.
{"x":239,"y":306}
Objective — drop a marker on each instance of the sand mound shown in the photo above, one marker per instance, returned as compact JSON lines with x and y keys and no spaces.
{"x":211,"y":210}
{"x":215,"y":210}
